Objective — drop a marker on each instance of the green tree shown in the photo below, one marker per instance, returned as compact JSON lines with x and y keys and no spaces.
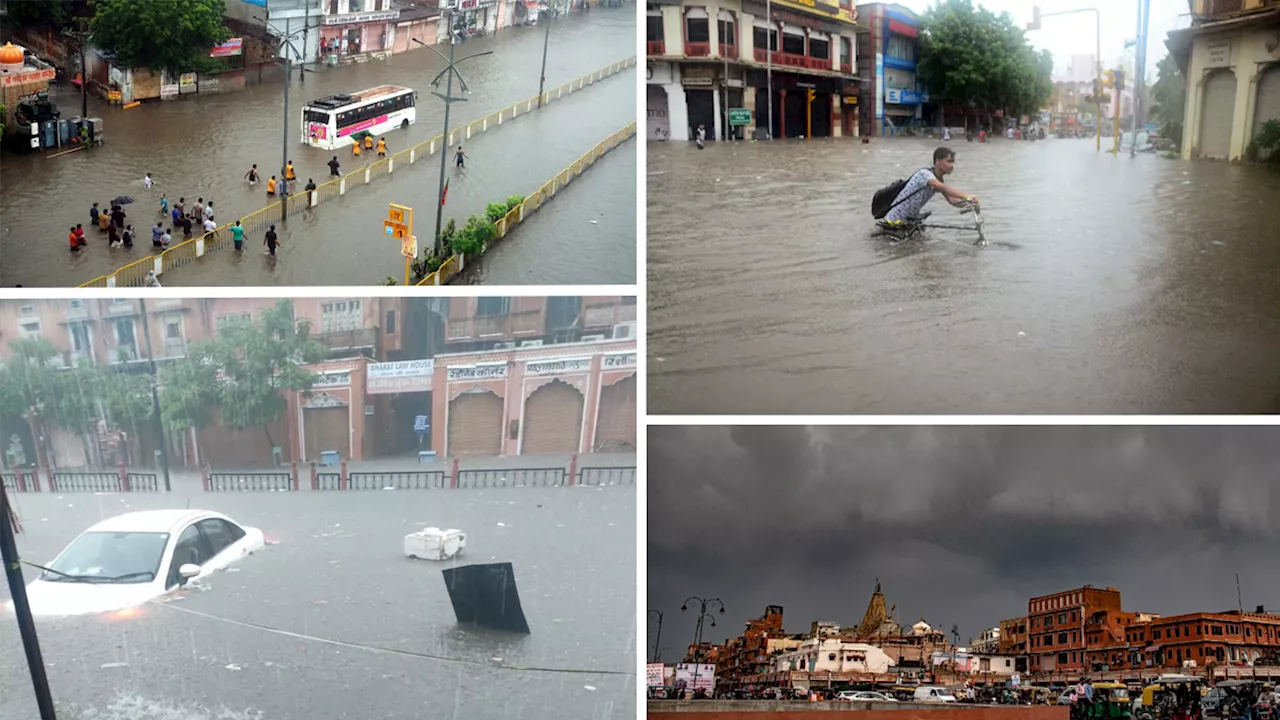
{"x":972,"y":57}
{"x":1169,"y":98}
{"x":243,"y":372}
{"x":173,"y":35}
{"x":56,"y":14}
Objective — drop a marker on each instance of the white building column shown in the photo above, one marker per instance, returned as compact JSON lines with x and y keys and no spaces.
{"x":677,"y":112}
{"x":713,"y":28}
{"x":715,"y":106}
{"x":672,"y":30}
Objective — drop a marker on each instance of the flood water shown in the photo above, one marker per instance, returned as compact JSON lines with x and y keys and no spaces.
{"x":1109,"y":285}
{"x":202,"y":146}
{"x":338,"y":573}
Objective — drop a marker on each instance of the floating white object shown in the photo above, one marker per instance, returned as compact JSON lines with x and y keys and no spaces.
{"x":434,"y":544}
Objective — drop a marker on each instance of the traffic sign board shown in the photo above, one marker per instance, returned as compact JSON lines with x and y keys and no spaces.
{"x":739,"y":116}
{"x":395,"y":230}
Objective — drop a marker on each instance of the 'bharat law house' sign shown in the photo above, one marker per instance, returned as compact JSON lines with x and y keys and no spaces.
{"x":396,"y":377}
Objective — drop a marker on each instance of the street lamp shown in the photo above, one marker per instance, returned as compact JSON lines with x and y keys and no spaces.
{"x":22,"y":609}
{"x":657,"y":637}
{"x":546,"y":39}
{"x":1035,"y":25}
{"x":448,"y":72}
{"x":288,"y":73}
{"x":703,"y":604}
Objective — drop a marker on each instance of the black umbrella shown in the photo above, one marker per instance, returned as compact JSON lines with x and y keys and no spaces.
{"x":122,"y":200}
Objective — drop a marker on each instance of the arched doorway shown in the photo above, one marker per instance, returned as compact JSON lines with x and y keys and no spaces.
{"x":553,"y":419}
{"x":658,"y":125}
{"x":1218,"y":108}
{"x":475,"y":423}
{"x":616,"y":420}
{"x":1267,"y":106}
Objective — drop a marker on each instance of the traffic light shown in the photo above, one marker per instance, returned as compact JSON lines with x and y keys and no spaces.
{"x":1119,"y":80}
{"x":1097,"y":89}
{"x":812,"y":95}
{"x":1110,"y":82}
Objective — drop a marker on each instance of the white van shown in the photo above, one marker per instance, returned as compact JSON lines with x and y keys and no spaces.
{"x":933,"y":694}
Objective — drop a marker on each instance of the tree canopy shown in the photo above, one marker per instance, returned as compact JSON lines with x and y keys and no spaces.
{"x":173,"y":35}
{"x":974,"y":58}
{"x":56,"y":14}
{"x":70,"y":398}
{"x":243,"y":372}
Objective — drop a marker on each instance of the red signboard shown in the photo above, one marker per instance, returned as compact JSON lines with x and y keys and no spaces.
{"x":234,"y":46}
{"x":29,"y":77}
{"x":902,"y":28}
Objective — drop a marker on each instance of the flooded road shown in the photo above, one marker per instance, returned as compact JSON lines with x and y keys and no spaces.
{"x":339,"y":573}
{"x":1109,"y":285}
{"x":201,"y":147}
{"x":586,"y":234}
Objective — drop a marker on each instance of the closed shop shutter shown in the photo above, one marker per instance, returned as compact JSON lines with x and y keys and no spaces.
{"x":1219,"y":107}
{"x":552,"y":419}
{"x":616,"y":424}
{"x":475,"y":424}
{"x":328,"y":429}
{"x":659,"y":125}
{"x":1268,"y":104}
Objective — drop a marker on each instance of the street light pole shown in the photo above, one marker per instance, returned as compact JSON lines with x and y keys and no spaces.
{"x":546,"y":40}
{"x":155,"y":399}
{"x":449,"y":71}
{"x":22,"y":609}
{"x":768,"y":56}
{"x":703,"y":604}
{"x":284,"y":144}
{"x":1140,"y":72}
{"x":657,"y":638}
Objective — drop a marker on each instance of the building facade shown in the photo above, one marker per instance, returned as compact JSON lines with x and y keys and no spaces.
{"x":833,"y":655}
{"x":893,"y":99}
{"x":708,"y":59}
{"x":1064,"y":626}
{"x":988,"y":642}
{"x":1201,"y":640}
{"x":1230,"y":57}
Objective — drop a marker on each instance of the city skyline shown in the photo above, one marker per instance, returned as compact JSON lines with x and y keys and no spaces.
{"x":927,"y":509}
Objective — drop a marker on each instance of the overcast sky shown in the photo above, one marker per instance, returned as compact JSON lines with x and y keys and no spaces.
{"x":1075,"y":34}
{"x":961,"y":524}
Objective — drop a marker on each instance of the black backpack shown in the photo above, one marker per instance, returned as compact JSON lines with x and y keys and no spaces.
{"x":883,"y":201}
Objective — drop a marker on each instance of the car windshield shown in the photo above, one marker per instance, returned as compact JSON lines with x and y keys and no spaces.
{"x":110,"y":557}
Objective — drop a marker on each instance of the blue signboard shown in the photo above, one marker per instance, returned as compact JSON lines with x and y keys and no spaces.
{"x":894,"y":96}
{"x":422,"y":424}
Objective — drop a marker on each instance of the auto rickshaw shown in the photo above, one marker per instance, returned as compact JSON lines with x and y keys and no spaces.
{"x":1110,"y":701}
{"x":1233,"y":699}
{"x":1172,"y":698}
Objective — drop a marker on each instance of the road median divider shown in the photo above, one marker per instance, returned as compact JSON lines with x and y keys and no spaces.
{"x":135,"y":274}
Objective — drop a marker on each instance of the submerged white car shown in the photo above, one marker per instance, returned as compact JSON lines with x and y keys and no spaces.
{"x":127,"y":560}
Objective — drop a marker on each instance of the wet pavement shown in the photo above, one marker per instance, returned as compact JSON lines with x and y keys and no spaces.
{"x":586,"y":232}
{"x":338,"y":572}
{"x":1109,"y":285}
{"x":201,"y":147}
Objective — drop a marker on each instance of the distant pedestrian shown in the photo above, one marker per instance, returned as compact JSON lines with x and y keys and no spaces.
{"x":210,"y":226}
{"x":333,"y":167}
{"x":290,"y":177}
{"x":166,"y":237}
{"x":80,"y":234}
{"x":93,"y":214}
{"x":147,"y":181}
{"x":368,"y":141}
{"x":152,"y":280}
{"x":197,"y":210}
{"x":237,"y":236}
{"x":164,"y":204}
{"x":208,"y":211}
{"x":460,"y":158}
{"x":271,"y":186}
{"x":186,"y":227}
{"x":73,"y":240}
{"x":176,"y":214}
{"x":355,"y":149}
{"x":157,"y":233}
{"x":311,"y":191}
{"x":127,"y":238}
{"x":252,"y":175}
{"x":117,"y":217}
{"x":382,"y":147}
{"x":701,"y":138}
{"x":113,"y":235}
{"x":271,"y":240}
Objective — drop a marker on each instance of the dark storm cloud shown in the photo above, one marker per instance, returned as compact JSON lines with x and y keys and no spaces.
{"x":961,"y":524}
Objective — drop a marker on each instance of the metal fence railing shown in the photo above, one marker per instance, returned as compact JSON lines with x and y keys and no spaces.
{"x":328,"y":481}
{"x":607,"y":476}
{"x":250,"y":482}
{"x":415,"y":480}
{"x":513,"y":477}
{"x":518,"y":214}
{"x":143,"y":482}
{"x":108,"y":482}
{"x":186,"y":252}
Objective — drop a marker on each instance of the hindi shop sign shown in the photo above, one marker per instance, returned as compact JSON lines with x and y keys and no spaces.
{"x":481,"y":371}
{"x":333,"y":379}
{"x":653,"y":674}
{"x":693,"y":676}
{"x":398,"y":377}
{"x":466,"y":5}
{"x":556,"y":366}
{"x":352,"y":18}
{"x":234,"y":46}
{"x":614,"y":361}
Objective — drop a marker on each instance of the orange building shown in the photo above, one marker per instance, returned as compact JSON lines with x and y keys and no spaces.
{"x":1198,"y":640}
{"x":1064,"y":626}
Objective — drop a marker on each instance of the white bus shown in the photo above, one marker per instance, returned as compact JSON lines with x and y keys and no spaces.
{"x":330,"y":122}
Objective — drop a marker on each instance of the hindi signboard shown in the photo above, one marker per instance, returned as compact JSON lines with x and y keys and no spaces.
{"x":234,"y":46}
{"x":613,"y":361}
{"x":695,"y":676}
{"x":555,"y":366}
{"x":481,"y":371}
{"x":653,"y":674}
{"x":398,"y":377}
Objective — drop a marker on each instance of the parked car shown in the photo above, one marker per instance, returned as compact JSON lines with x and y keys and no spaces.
{"x":129,"y":559}
{"x":863,"y":696}
{"x":933,"y":693}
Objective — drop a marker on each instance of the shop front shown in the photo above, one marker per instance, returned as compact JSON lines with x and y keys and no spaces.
{"x":399,"y":394}
{"x":331,"y":417}
{"x":803,"y":105}
{"x":665,"y":103}
{"x":358,"y":33}
{"x":478,"y":16}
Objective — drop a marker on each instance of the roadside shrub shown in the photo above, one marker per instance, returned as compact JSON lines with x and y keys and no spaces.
{"x":514,"y":201}
{"x":495,"y":211}
{"x":1266,"y":144}
{"x":474,"y":236}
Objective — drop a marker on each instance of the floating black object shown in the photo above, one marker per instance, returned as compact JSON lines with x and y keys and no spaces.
{"x":486,"y":595}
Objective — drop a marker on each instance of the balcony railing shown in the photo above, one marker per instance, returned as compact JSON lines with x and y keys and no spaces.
{"x":814,"y":63}
{"x":791,"y":60}
{"x":526,"y":322}
{"x":697,"y":49}
{"x":846,"y":68}
{"x":1213,"y":8}
{"x":656,"y":47}
{"x":601,"y":316}
{"x":491,"y":325}
{"x":349,"y":339}
{"x":729,"y":51}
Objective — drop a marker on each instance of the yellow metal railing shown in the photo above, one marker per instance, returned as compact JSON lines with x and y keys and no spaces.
{"x":135,"y":274}
{"x":455,"y":263}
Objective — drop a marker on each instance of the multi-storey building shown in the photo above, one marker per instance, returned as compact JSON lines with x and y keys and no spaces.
{"x":987,"y":642}
{"x":1064,"y":626}
{"x":1231,"y":62}
{"x":1202,"y":640}
{"x":1013,"y":641}
{"x":707,"y":59}
{"x":892,"y":100}
{"x":511,"y":375}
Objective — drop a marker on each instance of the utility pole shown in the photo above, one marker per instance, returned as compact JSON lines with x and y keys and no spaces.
{"x":768,"y":56}
{"x":450,"y":70}
{"x":22,"y":609}
{"x":306,"y":25}
{"x":81,"y":36}
{"x":1140,"y":72}
{"x":546,"y":40}
{"x":657,"y":638}
{"x":284,"y":144}
{"x":155,"y":399}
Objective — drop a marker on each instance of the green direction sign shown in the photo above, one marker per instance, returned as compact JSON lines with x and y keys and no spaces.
{"x":739,"y":116}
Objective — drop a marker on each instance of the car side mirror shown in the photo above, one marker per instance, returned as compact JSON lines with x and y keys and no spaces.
{"x":189,"y":570}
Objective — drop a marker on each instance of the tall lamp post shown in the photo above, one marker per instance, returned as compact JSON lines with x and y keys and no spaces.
{"x":448,"y":72}
{"x":702,"y":604}
{"x":657,"y":638}
{"x":1035,"y":25}
{"x":546,"y":40}
{"x":22,"y":609}
{"x":286,"y":44}
{"x":1140,"y":72}
{"x":155,"y":399}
